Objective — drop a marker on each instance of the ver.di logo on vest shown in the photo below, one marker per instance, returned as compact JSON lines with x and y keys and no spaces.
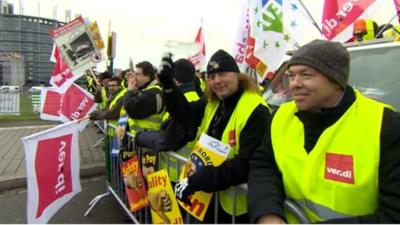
{"x":339,"y":168}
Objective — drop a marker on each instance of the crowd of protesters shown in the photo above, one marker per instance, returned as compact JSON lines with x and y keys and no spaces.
{"x":324,"y":146}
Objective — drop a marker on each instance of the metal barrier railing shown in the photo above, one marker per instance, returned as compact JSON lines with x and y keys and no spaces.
{"x":10,"y":103}
{"x":116,"y":188}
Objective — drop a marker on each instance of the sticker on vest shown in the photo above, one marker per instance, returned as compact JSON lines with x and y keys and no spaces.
{"x":339,"y":168}
{"x":232,"y":138}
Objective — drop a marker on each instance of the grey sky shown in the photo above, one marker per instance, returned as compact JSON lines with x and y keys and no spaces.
{"x":143,"y":26}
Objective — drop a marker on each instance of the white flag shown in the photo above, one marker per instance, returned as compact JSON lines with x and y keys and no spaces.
{"x":295,"y":19}
{"x":275,"y":24}
{"x":240,"y":45}
{"x":52,"y":168}
{"x":271,"y":39}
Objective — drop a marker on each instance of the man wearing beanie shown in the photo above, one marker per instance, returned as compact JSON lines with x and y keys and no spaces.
{"x":331,"y":151}
{"x":233,"y":113}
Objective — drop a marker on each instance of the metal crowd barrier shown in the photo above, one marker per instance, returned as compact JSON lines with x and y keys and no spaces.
{"x":10,"y":103}
{"x":116,"y":188}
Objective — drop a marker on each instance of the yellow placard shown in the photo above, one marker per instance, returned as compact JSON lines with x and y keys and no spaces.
{"x":163,"y":205}
{"x":203,"y":154}
{"x":95,"y":31}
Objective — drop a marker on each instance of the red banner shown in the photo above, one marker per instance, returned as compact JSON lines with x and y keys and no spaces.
{"x":76,"y":103}
{"x":199,"y":59}
{"x":52,"y":162}
{"x":53,"y":169}
{"x":51,"y":104}
{"x":397,"y":5}
{"x":338,"y":15}
{"x":61,"y":71}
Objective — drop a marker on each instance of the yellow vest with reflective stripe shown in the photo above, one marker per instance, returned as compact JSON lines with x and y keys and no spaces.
{"x":370,"y":35}
{"x":172,"y":165}
{"x":153,"y":122}
{"x":244,"y":108}
{"x":203,"y":84}
{"x":391,"y":32}
{"x":104,"y":99}
{"x":339,"y":177}
{"x":112,"y":103}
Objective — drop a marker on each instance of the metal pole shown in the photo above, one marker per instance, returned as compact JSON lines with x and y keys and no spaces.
{"x":311,"y":17}
{"x":110,"y":68}
{"x":387,"y":24}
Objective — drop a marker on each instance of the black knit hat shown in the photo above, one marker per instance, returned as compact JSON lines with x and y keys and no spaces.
{"x":221,"y":61}
{"x":330,"y":58}
{"x":184,"y":70}
{"x":105,"y":75}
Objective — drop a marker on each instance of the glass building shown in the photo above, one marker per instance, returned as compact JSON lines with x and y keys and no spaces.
{"x":25,"y":39}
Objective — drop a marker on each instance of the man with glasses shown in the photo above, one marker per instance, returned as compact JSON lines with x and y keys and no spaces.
{"x":113,"y":105}
{"x":143,"y":99}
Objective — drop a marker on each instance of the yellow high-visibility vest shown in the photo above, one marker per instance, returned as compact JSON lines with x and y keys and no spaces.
{"x":104,"y":98}
{"x":391,"y":32}
{"x":339,"y":176}
{"x":120,"y":95}
{"x":172,"y":164}
{"x":153,"y":122}
{"x":244,"y":108}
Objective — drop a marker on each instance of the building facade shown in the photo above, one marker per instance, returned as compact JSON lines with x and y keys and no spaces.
{"x":28,"y":38}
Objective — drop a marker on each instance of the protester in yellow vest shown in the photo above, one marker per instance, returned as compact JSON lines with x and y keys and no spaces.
{"x":233,"y":112}
{"x":102,"y":93}
{"x":143,"y":101}
{"x":126,"y":75}
{"x":114,"y":104}
{"x":90,"y":84}
{"x":111,"y":114}
{"x":173,"y":136}
{"x":333,"y":151}
{"x":392,"y":32}
{"x":164,"y":140}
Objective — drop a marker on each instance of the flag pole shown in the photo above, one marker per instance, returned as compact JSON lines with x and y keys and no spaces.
{"x":386,"y":25}
{"x":89,"y":72}
{"x":311,"y":17}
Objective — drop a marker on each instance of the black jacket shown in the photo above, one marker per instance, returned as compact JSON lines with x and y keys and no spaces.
{"x":233,"y":171}
{"x":143,"y":103}
{"x":266,"y":193}
{"x":107,"y":113}
{"x":173,"y":135}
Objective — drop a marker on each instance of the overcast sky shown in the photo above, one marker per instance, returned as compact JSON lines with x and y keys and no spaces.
{"x":142,"y":26}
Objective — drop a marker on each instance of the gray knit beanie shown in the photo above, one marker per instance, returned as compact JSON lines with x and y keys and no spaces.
{"x":330,"y":58}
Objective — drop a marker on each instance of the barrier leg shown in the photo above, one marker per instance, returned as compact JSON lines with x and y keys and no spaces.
{"x":98,"y":143}
{"x":128,"y":213}
{"x":94,"y":202}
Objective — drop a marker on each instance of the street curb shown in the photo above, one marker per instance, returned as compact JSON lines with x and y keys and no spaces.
{"x":18,"y":181}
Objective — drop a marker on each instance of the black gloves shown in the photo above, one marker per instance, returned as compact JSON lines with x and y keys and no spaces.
{"x":183,"y":190}
{"x":166,"y":71}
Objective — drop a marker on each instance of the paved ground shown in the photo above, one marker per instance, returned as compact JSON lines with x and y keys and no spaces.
{"x":12,"y":159}
{"x":107,"y":211}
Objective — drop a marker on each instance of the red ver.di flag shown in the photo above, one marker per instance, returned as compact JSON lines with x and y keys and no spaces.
{"x":50,"y":104}
{"x":339,"y":15}
{"x":52,"y":168}
{"x":76,"y":104}
{"x":62,"y":76}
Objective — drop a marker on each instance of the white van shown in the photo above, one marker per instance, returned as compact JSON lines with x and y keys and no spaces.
{"x":375,"y":69}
